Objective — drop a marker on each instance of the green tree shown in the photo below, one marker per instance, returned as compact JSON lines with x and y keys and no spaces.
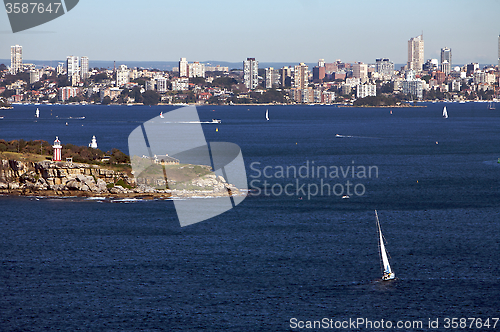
{"x":150,"y":98}
{"x":106,"y":101}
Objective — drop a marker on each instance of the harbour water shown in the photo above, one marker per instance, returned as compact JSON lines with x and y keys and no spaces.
{"x":101,"y":265}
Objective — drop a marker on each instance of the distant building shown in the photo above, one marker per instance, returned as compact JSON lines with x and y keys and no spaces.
{"x":67,"y":92}
{"x":165,"y":160}
{"x":301,"y":76}
{"x":413,"y":86}
{"x":196,"y":69}
{"x":84,"y":67}
{"x":57,"y":150}
{"x":93,"y":143}
{"x":161,"y":84}
{"x":446,"y":55}
{"x":34,"y":76}
{"x":366,"y":90}
{"x":472,"y":67}
{"x":499,"y":52}
{"x":446,"y":67}
{"x":183,"y":68}
{"x":272,"y":77}
{"x":122,"y":76}
{"x":319,"y":73}
{"x":72,"y":66}
{"x":16,"y":59}
{"x":416,"y":53}
{"x":384,"y":67}
{"x":430,"y":65}
{"x":251,"y":73}
{"x":286,"y":76}
{"x":360,"y":70}
{"x":180,"y":84}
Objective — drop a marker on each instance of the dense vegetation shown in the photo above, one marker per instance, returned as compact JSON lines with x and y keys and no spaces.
{"x":377,"y":101}
{"x":80,"y":154}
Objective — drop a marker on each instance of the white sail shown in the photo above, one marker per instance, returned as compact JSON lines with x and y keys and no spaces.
{"x":445,"y":113}
{"x":37,"y":113}
{"x":267,"y":115}
{"x":388,"y":273}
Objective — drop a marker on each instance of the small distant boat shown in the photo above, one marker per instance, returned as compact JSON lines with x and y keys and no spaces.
{"x":491,"y":105}
{"x":267,"y":115}
{"x":1,"y":117}
{"x":445,"y":113}
{"x":66,"y":123}
{"x":37,"y":113}
{"x":391,"y":112}
{"x":387,"y":272}
{"x":161,"y":115}
{"x":346,"y":197}
{"x":216,"y":121}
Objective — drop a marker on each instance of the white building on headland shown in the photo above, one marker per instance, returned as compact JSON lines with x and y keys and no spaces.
{"x":93,"y":144}
{"x":366,"y":90}
{"x":122,"y":76}
{"x":413,"y":86}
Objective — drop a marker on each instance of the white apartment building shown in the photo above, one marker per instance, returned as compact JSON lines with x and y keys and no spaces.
{"x":251,"y":73}
{"x":16,"y":59}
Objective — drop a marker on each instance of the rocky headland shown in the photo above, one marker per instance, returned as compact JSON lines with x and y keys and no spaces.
{"x":67,"y":179}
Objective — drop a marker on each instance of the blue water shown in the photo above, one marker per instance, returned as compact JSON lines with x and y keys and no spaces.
{"x":75,"y":264}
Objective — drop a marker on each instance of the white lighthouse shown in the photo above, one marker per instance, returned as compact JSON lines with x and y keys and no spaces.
{"x":57,"y":150}
{"x":93,"y":144}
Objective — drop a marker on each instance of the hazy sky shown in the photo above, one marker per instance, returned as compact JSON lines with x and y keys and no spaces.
{"x":269,"y":30}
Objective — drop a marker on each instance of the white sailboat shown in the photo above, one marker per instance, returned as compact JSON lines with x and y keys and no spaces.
{"x":161,"y":115}
{"x":445,"y":113}
{"x":37,"y":113}
{"x":387,"y":272}
{"x":267,"y":115}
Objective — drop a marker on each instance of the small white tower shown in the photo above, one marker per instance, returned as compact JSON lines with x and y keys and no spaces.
{"x":57,"y":150}
{"x":93,"y":144}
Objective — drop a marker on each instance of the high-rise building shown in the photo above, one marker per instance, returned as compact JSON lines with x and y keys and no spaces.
{"x":446,"y":55}
{"x":73,"y":69}
{"x":445,"y":67}
{"x":286,"y":76}
{"x":183,"y":68}
{"x":319,"y":73}
{"x":84,"y":67}
{"x":251,"y":73}
{"x":384,"y":67}
{"x":272,"y":77}
{"x":16,"y":59}
{"x":301,"y":76}
{"x":499,"y":52}
{"x":416,"y":53}
{"x":321,"y":62}
{"x":360,"y":70}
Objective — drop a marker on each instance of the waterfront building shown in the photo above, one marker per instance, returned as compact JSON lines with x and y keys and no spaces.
{"x":84,"y":67}
{"x":384,"y":67}
{"x":412,"y":86}
{"x":16,"y":59}
{"x":416,"y":53}
{"x":330,"y":68}
{"x":251,"y":73}
{"x":366,"y":90}
{"x":446,"y":55}
{"x":196,"y":69}
{"x":301,"y":76}
{"x":183,"y":68}
{"x":67,"y":92}
{"x":319,"y":73}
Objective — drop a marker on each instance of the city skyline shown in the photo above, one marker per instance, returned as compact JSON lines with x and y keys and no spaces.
{"x":214,"y":31}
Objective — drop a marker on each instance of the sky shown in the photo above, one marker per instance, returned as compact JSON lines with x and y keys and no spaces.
{"x":268,"y":30}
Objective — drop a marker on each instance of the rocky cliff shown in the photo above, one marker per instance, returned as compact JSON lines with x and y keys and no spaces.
{"x":47,"y":178}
